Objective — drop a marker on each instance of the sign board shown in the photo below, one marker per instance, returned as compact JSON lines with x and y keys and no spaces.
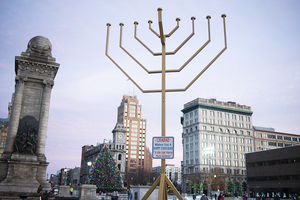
{"x":163,"y":147}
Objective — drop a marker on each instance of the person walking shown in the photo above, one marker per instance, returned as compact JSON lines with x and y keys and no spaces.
{"x":222,"y":196}
{"x":194,"y":196}
{"x":128,"y":193}
{"x":71,"y":190}
{"x":203,"y":197}
{"x":276,"y":197}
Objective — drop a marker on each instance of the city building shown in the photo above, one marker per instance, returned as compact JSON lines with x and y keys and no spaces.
{"x":216,"y":135}
{"x":267,"y":138}
{"x":116,"y":148}
{"x":4,"y":126}
{"x":172,"y":172}
{"x":74,"y":175}
{"x":138,"y":155}
{"x":275,"y":170}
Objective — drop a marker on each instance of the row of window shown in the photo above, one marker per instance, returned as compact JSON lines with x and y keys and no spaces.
{"x":218,"y":114}
{"x":221,"y":162}
{"x":220,"y":130}
{"x":220,"y":138}
{"x":205,"y":169}
{"x":218,"y":122}
{"x":220,"y":154}
{"x":274,"y":144}
{"x":274,"y":178}
{"x":278,"y":137}
{"x":274,"y":162}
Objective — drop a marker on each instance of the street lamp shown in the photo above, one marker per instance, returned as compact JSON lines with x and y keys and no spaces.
{"x":65,"y":175}
{"x":208,"y":151}
{"x":89,"y":164}
{"x":215,"y":182}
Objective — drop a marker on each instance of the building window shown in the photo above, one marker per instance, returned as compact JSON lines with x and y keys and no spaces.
{"x":204,"y":128}
{"x":220,"y":146}
{"x":220,"y":130}
{"x":120,"y":157}
{"x":221,"y":162}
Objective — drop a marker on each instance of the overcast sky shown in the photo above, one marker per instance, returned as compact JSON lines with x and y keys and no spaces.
{"x":260,"y":68}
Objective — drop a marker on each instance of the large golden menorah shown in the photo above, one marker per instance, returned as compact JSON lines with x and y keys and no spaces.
{"x":162,"y":179}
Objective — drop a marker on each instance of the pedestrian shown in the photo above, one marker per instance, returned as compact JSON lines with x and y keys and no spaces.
{"x":203,"y":197}
{"x":222,"y":196}
{"x":296,"y":197}
{"x":128,"y":192}
{"x":215,"y":196}
{"x":219,"y":197}
{"x":71,"y":190}
{"x":40,"y":189}
{"x":131,"y":193}
{"x":194,"y":196}
{"x":45,"y":195}
{"x":276,"y":197}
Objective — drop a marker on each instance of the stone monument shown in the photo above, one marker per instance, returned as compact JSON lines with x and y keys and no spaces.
{"x":23,"y":163}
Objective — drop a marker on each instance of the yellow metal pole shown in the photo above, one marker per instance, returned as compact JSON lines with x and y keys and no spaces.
{"x":162,"y":191}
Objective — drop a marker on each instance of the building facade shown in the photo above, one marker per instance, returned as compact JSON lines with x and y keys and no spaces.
{"x":138,"y":155}
{"x":172,"y":172}
{"x":223,"y":127}
{"x":116,"y":148}
{"x":267,"y":138}
{"x":274,"y":171}
{"x":4,"y":126}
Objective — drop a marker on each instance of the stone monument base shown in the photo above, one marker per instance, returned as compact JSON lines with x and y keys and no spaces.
{"x":63,"y":190}
{"x":21,"y":174}
{"x":87,"y":192}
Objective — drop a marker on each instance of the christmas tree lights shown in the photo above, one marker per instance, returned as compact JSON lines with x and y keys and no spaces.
{"x":105,"y":173}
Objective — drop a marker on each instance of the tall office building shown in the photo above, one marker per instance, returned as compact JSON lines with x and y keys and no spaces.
{"x":226,"y":127}
{"x":138,"y":155}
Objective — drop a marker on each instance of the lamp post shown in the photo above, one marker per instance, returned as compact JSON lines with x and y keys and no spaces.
{"x":65,"y":175}
{"x":215,"y":182}
{"x":208,"y":151}
{"x":89,"y":164}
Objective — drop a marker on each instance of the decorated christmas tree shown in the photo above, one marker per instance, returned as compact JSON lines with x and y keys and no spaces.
{"x":105,"y":173}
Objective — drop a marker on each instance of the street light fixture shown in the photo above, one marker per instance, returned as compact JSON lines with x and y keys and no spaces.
{"x":65,"y":176}
{"x":215,"y":182}
{"x":89,"y":164}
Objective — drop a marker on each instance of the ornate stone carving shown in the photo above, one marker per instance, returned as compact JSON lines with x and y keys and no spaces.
{"x":20,"y":79}
{"x":48,"y":83}
{"x":37,"y":68}
{"x":26,"y":139}
{"x":39,"y":45}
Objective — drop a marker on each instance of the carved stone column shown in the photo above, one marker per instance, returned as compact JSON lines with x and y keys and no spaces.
{"x":15,"y":116}
{"x":43,"y":124}
{"x":23,"y":166}
{"x":13,"y":125}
